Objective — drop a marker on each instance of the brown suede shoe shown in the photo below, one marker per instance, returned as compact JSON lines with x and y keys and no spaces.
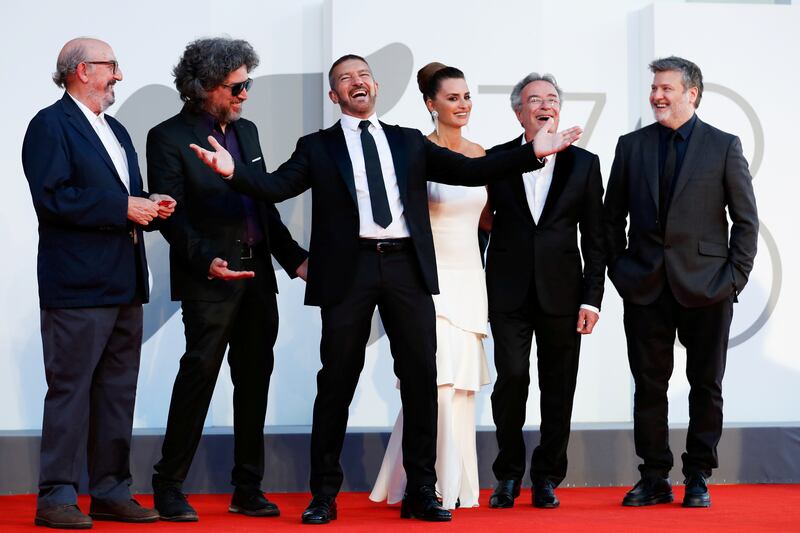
{"x":127,"y":511}
{"x":62,"y":517}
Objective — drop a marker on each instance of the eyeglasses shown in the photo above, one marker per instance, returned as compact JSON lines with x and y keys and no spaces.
{"x":535,"y":101}
{"x":237,"y":88}
{"x":113,"y":64}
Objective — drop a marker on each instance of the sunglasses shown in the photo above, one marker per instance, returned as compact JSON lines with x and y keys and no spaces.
{"x":237,"y":88}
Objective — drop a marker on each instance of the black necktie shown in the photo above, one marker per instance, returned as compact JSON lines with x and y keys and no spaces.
{"x":666,"y":178}
{"x":381,"y":213}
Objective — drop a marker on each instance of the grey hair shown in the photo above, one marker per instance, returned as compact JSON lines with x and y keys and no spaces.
{"x":516,"y":92}
{"x":207,"y":62}
{"x":68,"y":61}
{"x":692,"y":76}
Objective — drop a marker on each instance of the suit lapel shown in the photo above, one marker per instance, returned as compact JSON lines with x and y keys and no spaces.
{"x":692,"y":158}
{"x":394,"y":136}
{"x":337,"y":149}
{"x":248,"y":143}
{"x":518,"y":185}
{"x":78,"y":120}
{"x":565,"y":161}
{"x":651,"y":162}
{"x":130,"y":155}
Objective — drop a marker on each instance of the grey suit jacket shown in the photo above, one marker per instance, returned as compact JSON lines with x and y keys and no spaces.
{"x":697,"y":253}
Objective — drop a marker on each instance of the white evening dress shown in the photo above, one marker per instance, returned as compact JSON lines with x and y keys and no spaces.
{"x":461,"y":325}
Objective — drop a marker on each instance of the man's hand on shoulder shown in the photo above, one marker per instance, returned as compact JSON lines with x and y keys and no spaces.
{"x":141,"y":210}
{"x":548,"y":142}
{"x":220,"y":160}
{"x":219,"y":269}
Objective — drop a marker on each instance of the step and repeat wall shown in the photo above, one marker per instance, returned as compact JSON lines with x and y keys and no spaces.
{"x":599,"y":54}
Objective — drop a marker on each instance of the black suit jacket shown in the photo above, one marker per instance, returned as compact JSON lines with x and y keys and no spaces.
{"x":546,"y":254}
{"x":698,"y":256}
{"x":321,"y":162}
{"x":87,"y":256}
{"x":209,"y":218}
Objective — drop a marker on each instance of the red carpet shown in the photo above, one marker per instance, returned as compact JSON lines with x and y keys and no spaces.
{"x":736,"y":508}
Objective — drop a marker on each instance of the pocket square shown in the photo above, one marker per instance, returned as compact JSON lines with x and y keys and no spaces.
{"x":256,"y":159}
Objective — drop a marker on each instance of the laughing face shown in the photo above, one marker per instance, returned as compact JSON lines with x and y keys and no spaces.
{"x":539,"y":102}
{"x":672,"y":103}
{"x":354,"y":89}
{"x":453,"y":103}
{"x":103,"y":73}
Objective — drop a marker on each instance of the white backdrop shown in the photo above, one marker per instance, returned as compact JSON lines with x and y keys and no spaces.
{"x":598,"y":52}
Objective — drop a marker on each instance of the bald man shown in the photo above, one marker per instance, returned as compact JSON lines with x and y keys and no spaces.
{"x":87,"y":192}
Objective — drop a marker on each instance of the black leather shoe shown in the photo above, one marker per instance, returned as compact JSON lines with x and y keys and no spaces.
{"x":504,"y":494}
{"x":544,"y":495}
{"x":649,"y":491}
{"x":321,"y":510}
{"x":696,"y":494}
{"x":252,"y":503}
{"x":62,"y":517}
{"x":126,"y":511}
{"x":172,"y":506}
{"x":422,"y":503}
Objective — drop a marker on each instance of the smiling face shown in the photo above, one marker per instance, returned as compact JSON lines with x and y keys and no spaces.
{"x":354,"y":90}
{"x":452,"y":102}
{"x":672,"y":103}
{"x":220,"y":101}
{"x":539,"y":101}
{"x":100,"y":77}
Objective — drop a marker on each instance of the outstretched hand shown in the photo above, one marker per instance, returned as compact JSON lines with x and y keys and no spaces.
{"x":219,"y":160}
{"x":219,"y":269}
{"x":548,"y":142}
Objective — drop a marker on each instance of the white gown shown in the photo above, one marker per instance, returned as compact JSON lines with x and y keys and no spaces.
{"x":461,"y":325}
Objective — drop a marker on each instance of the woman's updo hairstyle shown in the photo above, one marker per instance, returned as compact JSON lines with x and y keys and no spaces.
{"x":430,"y":77}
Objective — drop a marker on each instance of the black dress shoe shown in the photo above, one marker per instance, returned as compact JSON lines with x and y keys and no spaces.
{"x":544,"y":495}
{"x":252,"y":503}
{"x":504,"y":494}
{"x":121,"y":511}
{"x":62,"y":517}
{"x":696,"y":494}
{"x":649,"y":491}
{"x":321,"y":510}
{"x":422,"y":503}
{"x":172,"y":506}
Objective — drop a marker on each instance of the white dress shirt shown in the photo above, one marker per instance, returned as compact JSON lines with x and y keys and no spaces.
{"x":368,"y":229}
{"x":537,"y":185}
{"x":114,"y":149}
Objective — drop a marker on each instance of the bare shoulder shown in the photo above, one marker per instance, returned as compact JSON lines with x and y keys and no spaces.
{"x":472,"y":149}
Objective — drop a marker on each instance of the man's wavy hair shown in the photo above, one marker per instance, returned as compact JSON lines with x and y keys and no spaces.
{"x":207,"y":62}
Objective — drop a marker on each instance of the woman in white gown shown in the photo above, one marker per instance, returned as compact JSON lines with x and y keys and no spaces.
{"x":461,"y":306}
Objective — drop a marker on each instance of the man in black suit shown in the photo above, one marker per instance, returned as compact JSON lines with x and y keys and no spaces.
{"x":536,"y":284}
{"x":221,"y":272}
{"x":371,"y":246}
{"x":87,"y":192}
{"x":678,"y":269}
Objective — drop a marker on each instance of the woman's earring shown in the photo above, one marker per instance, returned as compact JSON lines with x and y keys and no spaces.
{"x":435,"y":117}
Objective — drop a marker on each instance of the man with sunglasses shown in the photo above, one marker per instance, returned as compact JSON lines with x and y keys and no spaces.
{"x":537,"y":285}
{"x":220,"y":271}
{"x":87,"y":192}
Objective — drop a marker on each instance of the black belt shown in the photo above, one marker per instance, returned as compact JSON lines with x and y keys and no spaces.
{"x":385,"y":246}
{"x":248,"y":251}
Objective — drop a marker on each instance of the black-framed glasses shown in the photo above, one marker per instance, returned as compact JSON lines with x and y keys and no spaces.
{"x":113,"y":64}
{"x":237,"y":88}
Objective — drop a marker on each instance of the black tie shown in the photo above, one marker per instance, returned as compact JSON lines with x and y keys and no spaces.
{"x":381,"y":213}
{"x":666,"y":178}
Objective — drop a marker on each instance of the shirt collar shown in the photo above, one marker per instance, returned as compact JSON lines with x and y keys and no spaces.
{"x":90,"y":115}
{"x":351,"y":123}
{"x":684,"y":130}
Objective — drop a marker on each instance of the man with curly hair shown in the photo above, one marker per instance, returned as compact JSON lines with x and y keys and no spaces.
{"x":221,"y":272}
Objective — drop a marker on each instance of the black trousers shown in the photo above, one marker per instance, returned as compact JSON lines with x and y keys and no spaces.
{"x":393,"y":283}
{"x":650,"y":331}
{"x":557,"y":350}
{"x":91,"y":362}
{"x":247,"y":322}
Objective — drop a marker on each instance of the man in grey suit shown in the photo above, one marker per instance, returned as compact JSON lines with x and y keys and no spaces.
{"x":679,"y":269}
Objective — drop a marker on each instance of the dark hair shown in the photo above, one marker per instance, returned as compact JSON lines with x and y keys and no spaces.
{"x":207,"y":62}
{"x":346,"y":57}
{"x":692,"y":77}
{"x":431,"y":76}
